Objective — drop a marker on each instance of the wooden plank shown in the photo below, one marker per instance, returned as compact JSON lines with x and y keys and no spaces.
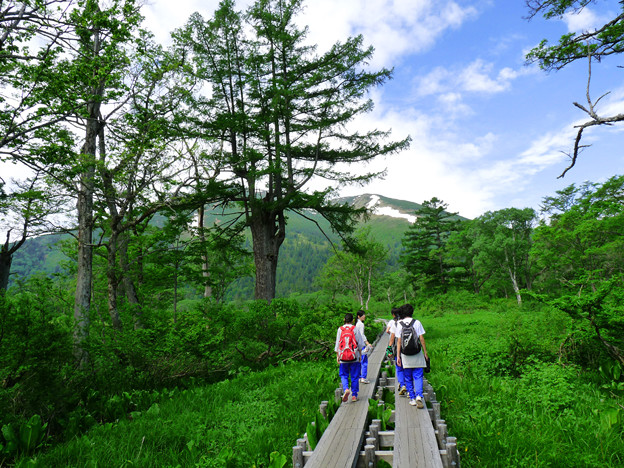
{"x":415,"y":443}
{"x":340,"y":444}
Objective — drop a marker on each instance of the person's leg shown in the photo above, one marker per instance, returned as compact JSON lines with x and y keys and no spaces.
{"x":364,"y":371}
{"x":418,"y":381}
{"x":355,"y":378}
{"x":400,"y":376}
{"x":409,"y":382}
{"x":343,"y":372}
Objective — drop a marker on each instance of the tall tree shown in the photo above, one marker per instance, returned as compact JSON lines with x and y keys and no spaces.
{"x":423,"y":256}
{"x":100,"y":58}
{"x":504,"y":242}
{"x":593,"y":46}
{"x":285,"y":116}
{"x":355,"y":269}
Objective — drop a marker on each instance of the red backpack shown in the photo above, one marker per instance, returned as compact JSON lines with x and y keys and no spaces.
{"x":347,"y":345}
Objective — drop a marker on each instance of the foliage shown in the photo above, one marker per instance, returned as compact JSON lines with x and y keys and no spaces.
{"x":288,"y":120}
{"x":242,"y":421}
{"x":501,"y":380}
{"x":424,"y":243}
{"x":355,"y":269}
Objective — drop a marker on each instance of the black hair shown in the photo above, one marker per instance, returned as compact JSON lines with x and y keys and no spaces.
{"x":360,"y":313}
{"x":395,"y":312}
{"x":348,"y":318}
{"x":407,"y":310}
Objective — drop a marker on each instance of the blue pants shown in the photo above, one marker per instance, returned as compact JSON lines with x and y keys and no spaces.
{"x":414,"y":381}
{"x":399,"y":375}
{"x":364,"y":371}
{"x":352,"y":369}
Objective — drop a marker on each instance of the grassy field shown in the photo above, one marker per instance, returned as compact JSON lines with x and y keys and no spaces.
{"x":511,"y":401}
{"x":505,"y":393}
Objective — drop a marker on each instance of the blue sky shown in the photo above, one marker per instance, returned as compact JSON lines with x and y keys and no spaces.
{"x":488,"y":131}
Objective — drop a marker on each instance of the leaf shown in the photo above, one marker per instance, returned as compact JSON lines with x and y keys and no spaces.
{"x":277,"y":460}
{"x":312,"y":437}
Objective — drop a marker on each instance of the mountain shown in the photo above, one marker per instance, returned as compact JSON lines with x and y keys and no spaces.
{"x":304,"y":252}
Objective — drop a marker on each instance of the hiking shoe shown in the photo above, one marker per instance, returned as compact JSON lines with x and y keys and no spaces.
{"x":402,"y":390}
{"x":345,"y":395}
{"x":413,"y":402}
{"x":354,"y":398}
{"x":364,"y":381}
{"x":419,"y":402}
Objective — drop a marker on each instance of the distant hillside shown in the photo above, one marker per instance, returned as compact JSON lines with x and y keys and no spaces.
{"x":303,"y":254}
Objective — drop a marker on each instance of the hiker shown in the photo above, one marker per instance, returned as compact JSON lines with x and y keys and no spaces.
{"x":412,"y":354}
{"x":361,"y":316}
{"x":349,"y":342}
{"x":392,"y":329}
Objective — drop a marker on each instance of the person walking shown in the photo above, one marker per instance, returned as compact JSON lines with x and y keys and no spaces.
{"x":410,"y":338}
{"x":349,"y":343}
{"x":366,"y":350}
{"x":393,"y":329}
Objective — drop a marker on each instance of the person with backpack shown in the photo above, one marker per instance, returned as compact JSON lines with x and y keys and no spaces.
{"x":392,"y":329}
{"x":361,"y":316}
{"x":412,"y":354}
{"x":349,"y":342}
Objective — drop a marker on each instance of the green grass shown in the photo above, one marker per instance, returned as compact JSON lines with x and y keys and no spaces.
{"x":233,"y":423}
{"x":509,"y":400}
{"x":505,"y":395}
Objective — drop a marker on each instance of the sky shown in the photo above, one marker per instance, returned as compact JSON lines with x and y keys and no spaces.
{"x":488,"y":131}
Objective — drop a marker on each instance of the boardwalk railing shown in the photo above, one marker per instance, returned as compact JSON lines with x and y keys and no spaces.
{"x":419,"y":439}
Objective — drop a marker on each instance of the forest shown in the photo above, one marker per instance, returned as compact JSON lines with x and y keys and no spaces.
{"x":185,"y":310}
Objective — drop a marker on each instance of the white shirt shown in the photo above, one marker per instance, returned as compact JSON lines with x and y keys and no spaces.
{"x":360,"y":326}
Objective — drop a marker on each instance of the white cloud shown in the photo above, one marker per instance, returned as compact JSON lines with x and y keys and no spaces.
{"x":477,"y":77}
{"x":393,"y":27}
{"x":585,"y":20}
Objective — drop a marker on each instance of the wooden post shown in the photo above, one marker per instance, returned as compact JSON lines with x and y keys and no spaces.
{"x":338,"y":395}
{"x":445,"y":458}
{"x":451,"y":449}
{"x":323,"y":408}
{"x":297,"y":458}
{"x":373,"y":442}
{"x":303,"y":443}
{"x":369,"y":456}
{"x":374,"y":429}
{"x":436,"y":410}
{"x":441,"y":435}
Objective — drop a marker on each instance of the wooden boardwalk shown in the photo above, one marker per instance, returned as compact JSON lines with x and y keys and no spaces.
{"x":415,"y":443}
{"x":419,"y":439}
{"x":340,"y":444}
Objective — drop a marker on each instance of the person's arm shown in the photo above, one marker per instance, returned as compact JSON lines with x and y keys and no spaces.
{"x":337,"y":343}
{"x":424,"y":347}
{"x":399,"y":353}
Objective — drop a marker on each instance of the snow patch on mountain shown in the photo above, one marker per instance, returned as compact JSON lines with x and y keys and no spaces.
{"x":375,"y":207}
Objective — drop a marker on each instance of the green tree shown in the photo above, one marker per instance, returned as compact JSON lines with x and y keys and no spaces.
{"x":424,"y":242}
{"x":27,"y":209}
{"x":581,"y":244}
{"x":595,"y":45}
{"x":282,"y":113}
{"x":462,"y":255}
{"x":356,"y":270}
{"x":504,"y":242}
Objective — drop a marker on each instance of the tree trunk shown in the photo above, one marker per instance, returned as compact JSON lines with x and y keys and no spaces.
{"x":128,"y":283}
{"x":113,"y":282}
{"x":267,"y":239}
{"x":82,"y":299}
{"x":6,"y":258}
{"x":202,"y":240}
